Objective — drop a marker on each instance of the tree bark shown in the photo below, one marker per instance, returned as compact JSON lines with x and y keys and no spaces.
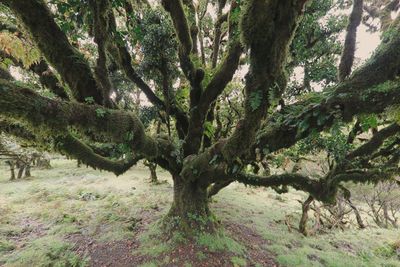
{"x":21,"y":167}
{"x":153,"y":173}
{"x":189,"y":213}
{"x":304,"y":216}
{"x":28,"y":170}
{"x":12,"y":169}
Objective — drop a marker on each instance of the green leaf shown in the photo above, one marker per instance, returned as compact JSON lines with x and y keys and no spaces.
{"x":209,"y":129}
{"x":101,"y":112}
{"x":255,"y":100}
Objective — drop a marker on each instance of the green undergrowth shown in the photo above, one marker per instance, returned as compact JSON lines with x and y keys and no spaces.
{"x":46,"y":251}
{"x":268,"y":213}
{"x":154,"y":245}
{"x":220,"y":242}
{"x":39,"y":214}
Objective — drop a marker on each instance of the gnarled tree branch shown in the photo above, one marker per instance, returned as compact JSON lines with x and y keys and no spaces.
{"x":53,"y":43}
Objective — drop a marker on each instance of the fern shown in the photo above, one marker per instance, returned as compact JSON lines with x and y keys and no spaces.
{"x":18,"y":49}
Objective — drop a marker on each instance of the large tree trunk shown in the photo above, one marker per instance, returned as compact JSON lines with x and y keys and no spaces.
{"x":189,"y":212}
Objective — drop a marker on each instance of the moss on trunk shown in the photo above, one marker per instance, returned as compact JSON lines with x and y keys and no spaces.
{"x":189,"y":213}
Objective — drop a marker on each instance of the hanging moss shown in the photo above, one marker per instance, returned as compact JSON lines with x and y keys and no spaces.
{"x":54,"y":45}
{"x":53,"y":117}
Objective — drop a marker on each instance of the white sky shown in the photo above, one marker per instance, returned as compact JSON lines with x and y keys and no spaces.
{"x":366,"y":43}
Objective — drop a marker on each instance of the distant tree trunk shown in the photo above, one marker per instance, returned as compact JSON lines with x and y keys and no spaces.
{"x":21,"y":167}
{"x":43,"y":163}
{"x":28,"y":170}
{"x":12,"y":169}
{"x":357,"y":213}
{"x":153,"y":173}
{"x":189,"y":212}
{"x":304,"y":216}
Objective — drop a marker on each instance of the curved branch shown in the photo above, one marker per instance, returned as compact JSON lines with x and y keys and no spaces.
{"x":215,"y":87}
{"x":193,"y":75}
{"x":175,"y":8}
{"x":54,"y":45}
{"x":75,"y":148}
{"x":370,"y":89}
{"x":267,"y":48}
{"x":69,"y":145}
{"x":101,"y":10}
{"x":54,"y":116}
{"x":375,"y":142}
{"x":323,"y":190}
{"x":121,"y":55}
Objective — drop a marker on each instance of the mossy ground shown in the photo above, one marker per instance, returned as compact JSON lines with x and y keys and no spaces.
{"x":43,"y":218}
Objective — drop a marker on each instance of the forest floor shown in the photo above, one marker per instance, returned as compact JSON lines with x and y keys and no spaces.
{"x":69,"y":216}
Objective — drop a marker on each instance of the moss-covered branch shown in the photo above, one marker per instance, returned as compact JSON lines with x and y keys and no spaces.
{"x":55,"y":47}
{"x":68,"y":145}
{"x":175,"y":8}
{"x":297,"y":181}
{"x":323,"y":190}
{"x":370,"y":89}
{"x":101,"y":10}
{"x":46,"y":76}
{"x":347,"y":59}
{"x":75,"y":148}
{"x":216,"y":86}
{"x":193,"y":75}
{"x":122,"y":57}
{"x":52,"y":117}
{"x":267,"y":29}
{"x":375,"y":142}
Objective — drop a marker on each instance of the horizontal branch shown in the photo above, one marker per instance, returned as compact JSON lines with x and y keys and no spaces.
{"x":297,"y":181}
{"x":52,"y":117}
{"x":75,"y":148}
{"x":375,"y":142}
{"x":68,"y":145}
{"x":323,"y":189}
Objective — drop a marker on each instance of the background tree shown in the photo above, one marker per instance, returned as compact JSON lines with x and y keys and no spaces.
{"x":189,"y":87}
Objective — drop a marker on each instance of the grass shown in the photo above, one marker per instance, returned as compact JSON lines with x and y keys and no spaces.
{"x":46,"y":251}
{"x":262,"y":209}
{"x":37,"y":216}
{"x":220,"y":242}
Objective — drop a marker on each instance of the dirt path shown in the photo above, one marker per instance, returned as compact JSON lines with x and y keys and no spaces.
{"x":120,"y":253}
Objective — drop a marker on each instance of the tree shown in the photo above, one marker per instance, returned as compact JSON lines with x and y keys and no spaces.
{"x":184,"y":83}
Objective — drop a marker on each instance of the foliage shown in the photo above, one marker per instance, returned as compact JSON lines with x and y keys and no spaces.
{"x":316,"y":47}
{"x":158,"y":46}
{"x":47,"y":251}
{"x":17,"y":48}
